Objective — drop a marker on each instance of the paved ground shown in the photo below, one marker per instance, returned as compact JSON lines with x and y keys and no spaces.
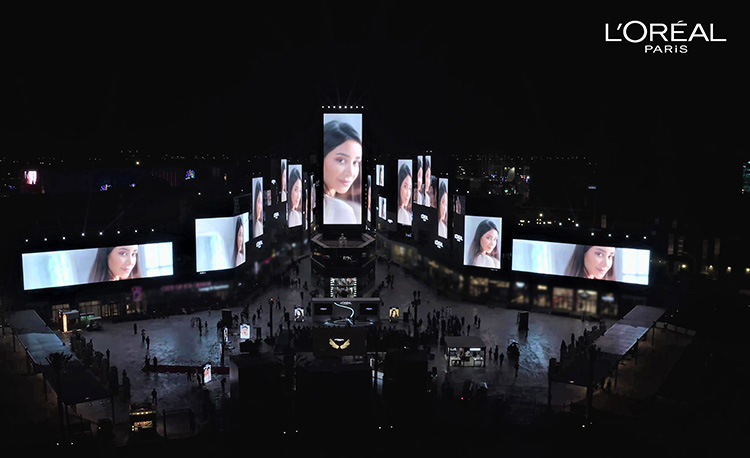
{"x":175,"y":342}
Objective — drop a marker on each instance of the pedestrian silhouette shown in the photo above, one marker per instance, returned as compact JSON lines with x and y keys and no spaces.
{"x":148,"y":342}
{"x":153,"y":396}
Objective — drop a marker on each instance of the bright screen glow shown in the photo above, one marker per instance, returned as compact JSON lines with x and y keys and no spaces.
{"x":443,"y":208}
{"x":220,"y":242}
{"x":342,"y":167}
{"x":53,"y":269}
{"x":257,"y":211}
{"x":381,"y":207}
{"x":295,"y":195}
{"x":419,"y":181}
{"x":283,"y":191}
{"x":482,"y":244}
{"x":428,"y":194}
{"x":627,"y":265}
{"x":403,"y":193}
{"x":369,"y":198}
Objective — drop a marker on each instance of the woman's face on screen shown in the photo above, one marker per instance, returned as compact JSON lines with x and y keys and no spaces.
{"x":598,"y":260}
{"x":240,"y":238}
{"x":488,"y":242}
{"x":405,"y":191}
{"x":121,"y":261}
{"x":259,"y":207}
{"x":341,"y":166}
{"x":444,"y":207}
{"x":296,"y":194}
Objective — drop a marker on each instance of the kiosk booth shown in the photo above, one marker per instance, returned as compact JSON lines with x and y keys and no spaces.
{"x":142,"y":418}
{"x":467,"y":351}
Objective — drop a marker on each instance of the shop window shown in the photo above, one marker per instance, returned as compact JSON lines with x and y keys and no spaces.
{"x":608,"y":305}
{"x":520,"y":293}
{"x":541,"y":297}
{"x":586,"y":302}
{"x":478,"y":286}
{"x":563,"y":299}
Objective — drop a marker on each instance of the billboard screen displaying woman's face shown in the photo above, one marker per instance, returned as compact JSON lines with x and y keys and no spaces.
{"x":342,"y":168}
{"x":403,"y":193}
{"x":220,"y":242}
{"x":482,"y":245}
{"x":283,"y":191}
{"x":53,"y":269}
{"x":257,"y":212}
{"x":596,"y":262}
{"x":443,"y":208}
{"x":295,"y":195}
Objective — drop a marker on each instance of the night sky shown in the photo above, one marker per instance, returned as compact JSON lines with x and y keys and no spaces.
{"x":455,"y":82}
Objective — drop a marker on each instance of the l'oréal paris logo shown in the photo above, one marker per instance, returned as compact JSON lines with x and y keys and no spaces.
{"x":661,"y":38}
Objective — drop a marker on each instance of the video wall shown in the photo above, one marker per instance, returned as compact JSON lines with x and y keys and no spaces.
{"x":483,"y":235}
{"x":220,"y":242}
{"x":627,"y":265}
{"x":342,"y":163}
{"x":257,"y":212}
{"x":54,"y":269}
{"x":295,"y":195}
{"x":404,"y":191}
{"x":283,"y":177}
{"x":442,"y":204}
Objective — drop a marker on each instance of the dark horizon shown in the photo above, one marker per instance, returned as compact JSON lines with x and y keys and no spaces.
{"x":453,"y":84}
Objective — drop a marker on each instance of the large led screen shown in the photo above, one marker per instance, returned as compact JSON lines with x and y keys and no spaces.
{"x":220,"y":242}
{"x":418,"y":180}
{"x":627,"y":265}
{"x":381,"y":207}
{"x":53,"y":269}
{"x":283,"y":191}
{"x":482,"y":245}
{"x":443,"y":208}
{"x":404,"y":212}
{"x":427,"y":192}
{"x":295,"y":193}
{"x":369,"y":198}
{"x":342,"y":163}
{"x":257,"y":207}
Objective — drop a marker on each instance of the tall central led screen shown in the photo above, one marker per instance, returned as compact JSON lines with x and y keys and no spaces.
{"x":598,"y":262}
{"x":220,"y":242}
{"x":342,"y":163}
{"x":53,"y":269}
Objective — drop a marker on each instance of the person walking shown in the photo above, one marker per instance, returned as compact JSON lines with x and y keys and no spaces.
{"x":502,"y":357}
{"x":143,"y":335}
{"x":153,"y":396}
{"x":148,"y":342}
{"x":135,"y":329}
